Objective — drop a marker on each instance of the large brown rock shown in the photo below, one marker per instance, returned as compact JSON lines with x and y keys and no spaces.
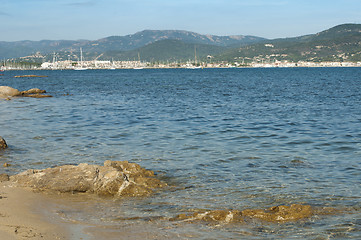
{"x":115,"y":178}
{"x":3,"y":144}
{"x":8,"y":92}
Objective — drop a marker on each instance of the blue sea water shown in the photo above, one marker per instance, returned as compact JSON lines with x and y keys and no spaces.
{"x":225,"y":138}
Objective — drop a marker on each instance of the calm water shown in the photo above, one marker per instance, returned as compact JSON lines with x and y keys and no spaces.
{"x":226,"y":138}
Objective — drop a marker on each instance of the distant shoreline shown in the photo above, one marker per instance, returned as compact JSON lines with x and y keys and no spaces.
{"x":207,"y":66}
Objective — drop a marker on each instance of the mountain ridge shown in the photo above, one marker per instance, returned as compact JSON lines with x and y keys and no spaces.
{"x":167,"y":50}
{"x":118,"y":43}
{"x":339,"y":43}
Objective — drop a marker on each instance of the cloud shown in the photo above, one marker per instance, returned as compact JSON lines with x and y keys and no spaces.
{"x":217,"y":3}
{"x":4,"y":13}
{"x":264,"y":3}
{"x":82,"y":4}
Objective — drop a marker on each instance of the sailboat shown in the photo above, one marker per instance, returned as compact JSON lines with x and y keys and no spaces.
{"x":195,"y":60}
{"x":80,"y":66}
{"x":139,"y":66}
{"x":112,"y":67}
{"x":2,"y":68}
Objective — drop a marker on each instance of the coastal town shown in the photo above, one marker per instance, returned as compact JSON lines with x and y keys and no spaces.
{"x":112,"y":65}
{"x":188,"y":65}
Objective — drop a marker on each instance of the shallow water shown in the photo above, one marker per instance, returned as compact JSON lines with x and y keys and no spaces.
{"x":225,"y":138}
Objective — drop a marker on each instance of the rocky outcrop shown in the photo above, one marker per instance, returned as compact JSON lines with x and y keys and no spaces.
{"x":6,"y":92}
{"x":277,"y":214}
{"x":3,"y":144}
{"x":115,"y":178}
{"x":9,"y":92}
{"x":33,"y":91}
{"x":124,"y":179}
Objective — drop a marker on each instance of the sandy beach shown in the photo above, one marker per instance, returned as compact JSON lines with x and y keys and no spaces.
{"x":25,"y":214}
{"x":21,"y":216}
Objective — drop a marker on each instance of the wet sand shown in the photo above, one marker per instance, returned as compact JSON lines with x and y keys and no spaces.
{"x":22,"y":216}
{"x":25,"y":214}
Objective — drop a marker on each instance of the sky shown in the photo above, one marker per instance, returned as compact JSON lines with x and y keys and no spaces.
{"x":95,"y":19}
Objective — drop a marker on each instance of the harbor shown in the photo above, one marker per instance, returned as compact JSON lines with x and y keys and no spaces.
{"x":112,"y":65}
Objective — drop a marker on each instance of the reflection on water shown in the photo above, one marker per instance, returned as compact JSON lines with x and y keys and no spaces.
{"x":224,"y":138}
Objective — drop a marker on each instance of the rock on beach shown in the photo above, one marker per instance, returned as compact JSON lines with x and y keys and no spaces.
{"x":123,"y":179}
{"x":115,"y":178}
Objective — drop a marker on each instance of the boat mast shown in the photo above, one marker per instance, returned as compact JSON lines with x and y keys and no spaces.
{"x":81,"y":56}
{"x":195,"y":54}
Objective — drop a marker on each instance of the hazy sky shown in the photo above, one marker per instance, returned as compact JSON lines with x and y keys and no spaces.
{"x":94,"y":19}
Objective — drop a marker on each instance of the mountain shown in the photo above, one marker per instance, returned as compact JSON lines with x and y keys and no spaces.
{"x":167,"y":50}
{"x":340,"y":43}
{"x":146,"y":37}
{"x":118,"y":43}
{"x":25,"y":48}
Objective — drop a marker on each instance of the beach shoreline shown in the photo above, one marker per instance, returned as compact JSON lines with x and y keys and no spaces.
{"x":25,"y":214}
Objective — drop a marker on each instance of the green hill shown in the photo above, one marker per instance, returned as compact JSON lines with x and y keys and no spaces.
{"x":340,"y":43}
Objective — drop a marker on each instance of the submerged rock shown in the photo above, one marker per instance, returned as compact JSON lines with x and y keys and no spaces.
{"x":277,"y":214}
{"x":280,"y":213}
{"x":115,"y":178}
{"x":8,"y":92}
{"x":30,"y":76}
{"x":3,"y":144}
{"x":215,"y":216}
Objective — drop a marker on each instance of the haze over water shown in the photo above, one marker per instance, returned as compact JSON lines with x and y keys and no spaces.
{"x":224,"y":138}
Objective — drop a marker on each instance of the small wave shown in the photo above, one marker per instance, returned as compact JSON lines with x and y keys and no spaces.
{"x":192,"y":148}
{"x":120,"y":135}
{"x":344,"y":149}
{"x":201,"y":133}
{"x":240,"y":138}
{"x":300,"y":142}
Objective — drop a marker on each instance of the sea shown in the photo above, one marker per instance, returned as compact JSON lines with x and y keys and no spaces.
{"x":221,"y":139}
